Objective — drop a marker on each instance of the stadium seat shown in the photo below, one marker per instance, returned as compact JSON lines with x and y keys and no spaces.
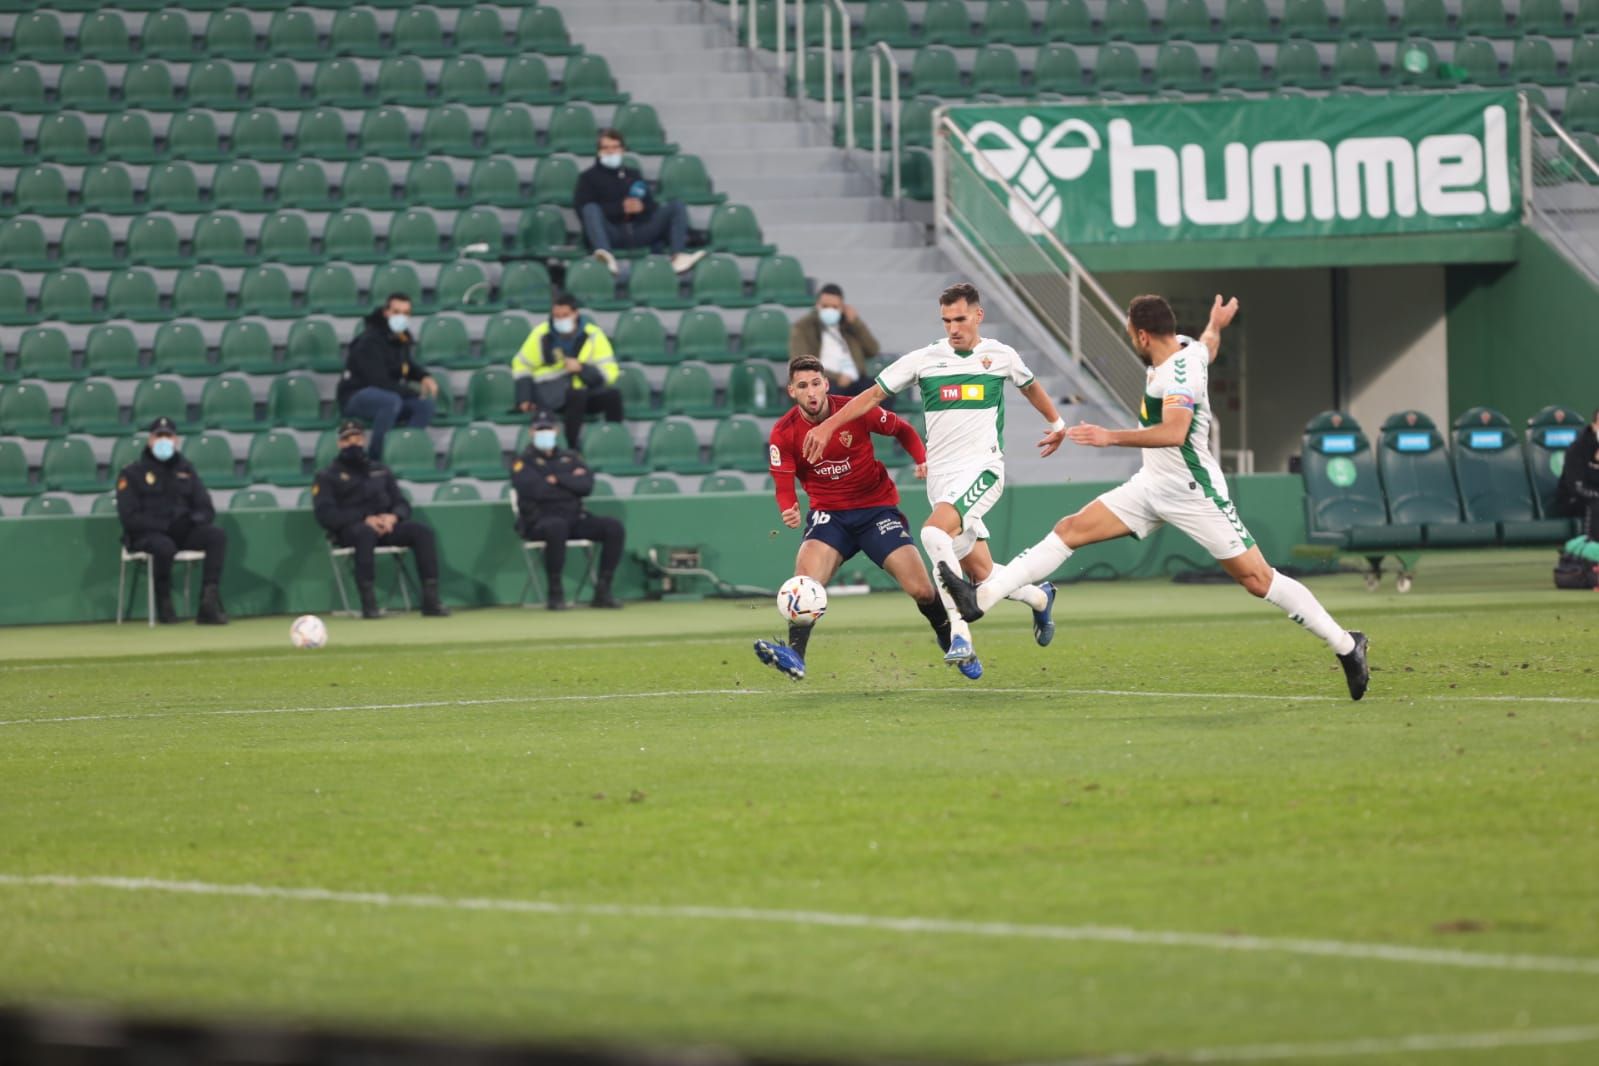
{"x":159,"y":398}
{"x":572,"y":129}
{"x":1547,"y":18}
{"x":1248,"y":20}
{"x":637,"y":398}
{"x":702,"y":335}
{"x":721,"y":483}
{"x":340,"y":83}
{"x":43,"y":353}
{"x":1427,"y":18}
{"x":1479,"y":62}
{"x":22,"y":88}
{"x":397,"y":277}
{"x":734,"y":229}
{"x":641,"y":129}
{"x":230,"y":34}
{"x":639,"y":337}
{"x":780,"y":280}
{"x":213,"y":84}
{"x":23,"y":245}
{"x":1117,"y":69}
{"x":934,"y":72}
{"x":152,"y":240}
{"x":275,"y":458}
{"x":475,"y":452}
{"x":176,"y":187}
{"x":1299,"y":66}
{"x":554,"y":179}
{"x":491,"y":397}
{"x":367,"y":183}
{"x":409,"y":453}
{"x":239,"y":186}
{"x":1487,"y":18}
{"x":888,"y":21}
{"x":753,"y":389}
{"x":109,"y":187}
{"x":511,"y":131}
{"x":112,"y":351}
{"x":1190,"y":20}
{"x":286,"y":238}
{"x":719,"y":281}
{"x":331,"y":289}
{"x":442,"y":341}
{"x":258,"y":134}
{"x":997,"y":71}
{"x":166,"y":35}
{"x":494,"y":181}
{"x":213,"y":460}
{"x":504,"y":335}
{"x":526,"y":285}
{"x":25,"y":412}
{"x":246,"y":347}
{"x":764,"y":334}
{"x":13,"y":301}
{"x":38,"y":35}
{"x":1534,"y":61}
{"x":1369,"y":19}
{"x":656,"y":485}
{"x":219,"y":238}
{"x":321,"y":134}
{"x":403,"y":80}
{"x":1238,"y":66}
{"x":653,"y":283}
{"x":148,"y":86}
{"x":47,"y":506}
{"x":480,"y":31}
{"x":673,"y":447}
{"x":276,"y":83}
{"x":1584,"y":64}
{"x":386,"y":133}
{"x":294,"y":400}
{"x":739,"y":444}
{"x":127,"y":448}
{"x":65,"y":295}
{"x":431,"y":183}
{"x":227,"y":403}
{"x":1129,"y":20}
{"x":354,"y":32}
{"x":1494,"y":486}
{"x":414,"y":235}
{"x":526,"y":79}
{"x":193,"y":135}
{"x":1419,"y":484}
{"x":293,"y":34}
{"x":64,"y":138}
{"x":14,"y":471}
{"x":456,"y":492}
{"x":1177,"y":67}
{"x":105,"y":503}
{"x":1309,"y":19}
{"x":609,"y":448}
{"x":180,"y":348}
{"x":948,"y":22}
{"x":92,"y":407}
{"x":1549,"y":433}
{"x":253,"y":500}
{"x":128,"y":138}
{"x":85,"y":86}
{"x":42,"y":190}
{"x":1009,"y":22}
{"x":1581,"y":113}
{"x":68,"y":465}
{"x":479,"y":225}
{"x":1343,"y":496}
{"x":1356,"y":63}
{"x":13,"y":152}
{"x":265,"y":291}
{"x":689,"y":390}
{"x":588,"y":78}
{"x":313,"y":345}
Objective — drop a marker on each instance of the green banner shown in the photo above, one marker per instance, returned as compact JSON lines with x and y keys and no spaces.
{"x":1251,"y":169}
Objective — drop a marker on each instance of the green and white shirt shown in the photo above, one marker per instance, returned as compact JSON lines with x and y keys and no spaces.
{"x":963,"y":394}
{"x":1183,"y":382}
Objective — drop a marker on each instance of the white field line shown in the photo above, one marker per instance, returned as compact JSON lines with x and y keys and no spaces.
{"x":1360,"y":1046}
{"x":1400,"y":953}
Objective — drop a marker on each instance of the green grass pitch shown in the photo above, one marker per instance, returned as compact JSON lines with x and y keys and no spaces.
{"x":1167,"y":836}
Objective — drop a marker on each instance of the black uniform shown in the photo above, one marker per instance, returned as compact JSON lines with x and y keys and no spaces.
{"x":348,"y":492}
{"x":550,"y":487}
{"x":1579,"y":481}
{"x":166,"y":509}
{"x":379,"y":359}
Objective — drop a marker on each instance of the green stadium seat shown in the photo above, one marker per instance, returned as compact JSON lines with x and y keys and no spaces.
{"x":491,"y":396}
{"x":402,"y":80}
{"x":386,"y":133}
{"x":38,"y":35}
{"x":1238,"y":66}
{"x":702,"y":335}
{"x":367,"y":183}
{"x":1534,"y":61}
{"x":448,"y":131}
{"x":948,"y":22}
{"x":252,"y":500}
{"x":42,"y":190}
{"x":689,"y":390}
{"x":22,"y":88}
{"x":572,"y":129}
{"x":409,"y":453}
{"x":480,"y":31}
{"x":112,"y":351}
{"x":348,"y":237}
{"x":739,"y":444}
{"x":68,"y":465}
{"x":637,"y":398}
{"x":1309,"y":19}
{"x":176,"y":187}
{"x":672,"y":446}
{"x":65,"y":296}
{"x":494,"y":181}
{"x":257,"y":134}
{"x":227,"y":403}
{"x":180,"y":348}
{"x":1479,"y":62}
{"x":355,"y":32}
{"x":934,"y":72}
{"x":1356,"y":63}
{"x":214,"y":85}
{"x":246,"y":346}
{"x":1009,"y":22}
{"x":1117,"y":69}
{"x":1581,"y":113}
{"x":152,"y":241}
{"x":193,"y":135}
{"x":47,"y":506}
{"x":294,"y":400}
{"x":480,"y":225}
{"x":429,"y":182}
{"x":764,"y":334}
{"x":542,"y":29}
{"x":1584,"y":64}
{"x":465,"y":80}
{"x":442,"y":341}
{"x":101,"y":35}
{"x":1487,"y":18}
{"x":554,"y":179}
{"x":542,"y":231}
{"x":414,"y":235}
{"x":13,"y":152}
{"x":219,"y":238}
{"x":641,"y":338}
{"x":1190,"y":20}
{"x":13,"y":301}
{"x":230,"y":34}
{"x":1343,"y":495}
{"x":313,"y":345}
{"x":1420,"y":485}
{"x":276,"y":83}
{"x":240,"y":186}
{"x":593,"y":285}
{"x":609,"y":448}
{"x":200,"y":293}
{"x":1493,"y":480}
{"x":641,"y":129}
{"x":14,"y":471}
{"x":45,"y":354}
{"x":149,"y":86}
{"x":780,"y":280}
{"x":166,"y":35}
{"x":340,"y":83}
{"x":503,"y":336}
{"x":456,"y":492}
{"x":526,"y":79}
{"x":265,"y":291}
{"x":753,"y":389}
{"x":1299,"y":66}
{"x":735,"y":229}
{"x":1369,"y":19}
{"x":286,"y":238}
{"x":92,"y":407}
{"x":1427,"y":18}
{"x":475,"y":452}
{"x":293,"y":34}
{"x":418,"y":32}
{"x":719,"y":281}
{"x":1177,"y":67}
{"x":997,"y":71}
{"x":465,"y":285}
{"x":128,"y":137}
{"x":64,"y":138}
{"x":888,"y":21}
{"x":23,"y":245}
{"x":1129,"y":20}
{"x":321,"y":134}
{"x":397,"y":277}
{"x":1548,"y":18}
{"x":721,"y":483}
{"x":653,"y":283}
{"x":656,"y":485}
{"x":25,"y":412}
{"x":159,"y":398}
{"x":213,"y":460}
{"x":1248,"y":20}
{"x":510,"y":130}
{"x":128,"y":448}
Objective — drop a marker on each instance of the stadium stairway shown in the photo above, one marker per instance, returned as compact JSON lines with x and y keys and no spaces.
{"x":776,"y":156}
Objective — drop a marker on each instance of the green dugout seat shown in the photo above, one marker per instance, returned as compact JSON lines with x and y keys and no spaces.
{"x":1493,"y":481}
{"x":1550,"y":433}
{"x":1343,"y":495}
{"x":1420,"y":486}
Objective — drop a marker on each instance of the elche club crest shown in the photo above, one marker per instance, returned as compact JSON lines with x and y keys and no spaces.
{"x":1026,"y":160}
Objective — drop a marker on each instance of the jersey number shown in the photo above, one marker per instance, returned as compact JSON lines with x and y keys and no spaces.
{"x":820,"y":518}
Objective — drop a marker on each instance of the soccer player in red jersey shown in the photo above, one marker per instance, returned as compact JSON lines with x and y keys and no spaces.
{"x":854,"y":505}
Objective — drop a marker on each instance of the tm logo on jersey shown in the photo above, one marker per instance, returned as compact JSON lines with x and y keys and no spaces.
{"x":958,"y":393}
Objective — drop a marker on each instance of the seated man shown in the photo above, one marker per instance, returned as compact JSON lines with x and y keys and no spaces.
{"x":550,"y":485}
{"x":617,"y":210}
{"x":360,"y":505}
{"x":836,"y":334}
{"x":1579,"y":479}
{"x":567,"y":365}
{"x":166,"y":509}
{"x":381,"y":369}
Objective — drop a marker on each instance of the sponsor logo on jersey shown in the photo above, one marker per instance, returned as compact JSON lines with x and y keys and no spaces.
{"x":960,"y":393}
{"x":832,"y":471}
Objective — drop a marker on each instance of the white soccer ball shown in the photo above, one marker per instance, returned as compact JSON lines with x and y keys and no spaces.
{"x":802,"y":600}
{"x":307,"y":631}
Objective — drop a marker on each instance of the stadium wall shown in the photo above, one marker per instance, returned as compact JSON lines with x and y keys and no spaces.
{"x":64,"y":569}
{"x":1521,"y":336}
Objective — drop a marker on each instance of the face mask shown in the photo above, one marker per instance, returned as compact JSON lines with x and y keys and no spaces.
{"x":613,"y":160}
{"x":398,"y":323}
{"x":544,"y":440}
{"x":164,"y":448}
{"x":565,"y":325}
{"x":830,"y":316}
{"x":353,"y":453}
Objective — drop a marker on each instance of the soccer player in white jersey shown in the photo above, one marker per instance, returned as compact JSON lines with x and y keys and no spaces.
{"x":1180,"y":484}
{"x":962,"y":384}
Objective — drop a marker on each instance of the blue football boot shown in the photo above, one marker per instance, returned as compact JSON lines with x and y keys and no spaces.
{"x":781,"y":657}
{"x":959,"y":651}
{"x":971,"y":668}
{"x":1044,"y":621}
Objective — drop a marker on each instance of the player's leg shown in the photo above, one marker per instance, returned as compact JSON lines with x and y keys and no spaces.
{"x":938,"y":540}
{"x":1260,"y":579}
{"x":960,"y":497}
{"x":819,"y":561}
{"x":904,"y":564}
{"x":825,"y":547}
{"x":1040,"y":599}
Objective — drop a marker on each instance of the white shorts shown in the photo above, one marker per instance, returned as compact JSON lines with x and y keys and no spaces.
{"x":971,"y":490}
{"x":1144,"y":505}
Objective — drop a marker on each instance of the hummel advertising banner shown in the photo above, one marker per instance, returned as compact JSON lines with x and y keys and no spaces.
{"x":1253,"y":169}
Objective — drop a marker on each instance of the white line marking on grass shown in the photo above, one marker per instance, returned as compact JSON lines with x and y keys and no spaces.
{"x":1377,"y":1045}
{"x":235,"y":712}
{"x":1402,"y":953}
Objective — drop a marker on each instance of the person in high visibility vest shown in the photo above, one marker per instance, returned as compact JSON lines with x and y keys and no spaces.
{"x":567,"y":365}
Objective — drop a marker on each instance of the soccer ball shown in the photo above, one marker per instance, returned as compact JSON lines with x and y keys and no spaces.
{"x":308,"y":632}
{"x":802,"y":600}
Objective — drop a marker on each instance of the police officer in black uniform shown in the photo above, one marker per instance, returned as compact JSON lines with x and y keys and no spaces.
{"x":166,"y":509}
{"x":358,"y":502}
{"x":550,"y":484}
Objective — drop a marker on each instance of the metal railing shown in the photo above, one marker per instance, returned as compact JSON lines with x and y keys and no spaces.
{"x":881,"y":53}
{"x":829,"y":7}
{"x":1565,"y":192}
{"x":1027,"y":256}
{"x":799,"y":71}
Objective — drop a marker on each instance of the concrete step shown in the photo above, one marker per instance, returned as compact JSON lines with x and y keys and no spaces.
{"x":800,"y":238}
{"x":625,"y":17}
{"x":855,"y":209}
{"x":651,"y":61}
{"x":727,"y":163}
{"x":704,"y":85}
{"x":681,"y":110}
{"x":775,"y":190}
{"x":762,"y":136}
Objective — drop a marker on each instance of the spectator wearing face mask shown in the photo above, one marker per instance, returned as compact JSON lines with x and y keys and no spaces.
{"x":835,"y":333}
{"x":567,"y":365}
{"x":618,"y":210}
{"x":165,"y":509}
{"x":383,"y":383}
{"x":551,"y":486}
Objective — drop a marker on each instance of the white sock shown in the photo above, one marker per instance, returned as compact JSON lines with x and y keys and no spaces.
{"x":940,"y":548}
{"x":1028,"y":568}
{"x":1303,"y":607}
{"x":1031,"y":595}
{"x":964,"y":542}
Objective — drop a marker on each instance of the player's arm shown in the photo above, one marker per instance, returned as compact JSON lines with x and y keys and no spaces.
{"x":782,"y":468}
{"x":1038,"y":396}
{"x":858,"y":407}
{"x":1172,"y":429}
{"x":889,"y":424}
{"x":1221,"y":316}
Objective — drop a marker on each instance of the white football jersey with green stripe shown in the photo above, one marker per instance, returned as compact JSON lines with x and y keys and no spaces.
{"x":963,"y":394}
{"x":1183,"y":382}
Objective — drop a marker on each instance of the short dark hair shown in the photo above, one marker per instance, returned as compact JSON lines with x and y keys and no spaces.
{"x":564,"y":299}
{"x":391,"y":297}
{"x":1153,"y":315}
{"x":611,"y":133}
{"x":802,"y":363}
{"x":830,"y":289}
{"x":956,"y":293}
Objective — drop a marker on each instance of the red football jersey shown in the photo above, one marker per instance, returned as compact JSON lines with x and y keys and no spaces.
{"x":849,"y":474}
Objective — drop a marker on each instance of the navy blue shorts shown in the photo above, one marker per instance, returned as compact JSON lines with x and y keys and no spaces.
{"x":877,"y":531}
